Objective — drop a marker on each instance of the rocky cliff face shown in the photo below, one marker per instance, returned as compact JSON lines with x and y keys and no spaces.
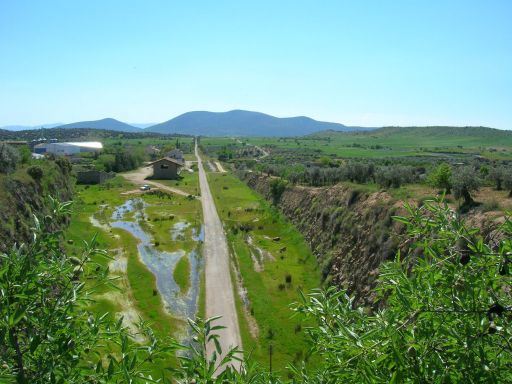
{"x":351,"y":232}
{"x":22,"y":197}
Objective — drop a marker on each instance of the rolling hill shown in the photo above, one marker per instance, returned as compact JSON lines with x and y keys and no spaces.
{"x":415,"y":141}
{"x":74,"y":134}
{"x":108,"y":124}
{"x":243,"y":123}
{"x":27,"y":127}
{"x":435,"y":135}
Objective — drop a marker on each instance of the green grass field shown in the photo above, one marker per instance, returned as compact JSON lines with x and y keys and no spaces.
{"x":137,"y":294}
{"x":290,"y":267}
{"x":188,"y":182}
{"x":390,"y":142}
{"x":400,"y":142}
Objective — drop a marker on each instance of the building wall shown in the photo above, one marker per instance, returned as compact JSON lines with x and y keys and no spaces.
{"x":61,"y":148}
{"x":93,"y":177}
{"x":165,"y":170}
{"x":56,"y":148}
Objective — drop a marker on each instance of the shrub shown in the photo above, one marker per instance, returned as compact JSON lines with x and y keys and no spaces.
{"x":440,"y":177}
{"x":63,"y":164}
{"x":9,"y":157}
{"x":491,"y":205}
{"x":277,"y":187}
{"x":447,"y":313}
{"x":36,"y":172}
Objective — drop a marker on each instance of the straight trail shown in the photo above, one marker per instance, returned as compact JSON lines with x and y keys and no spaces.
{"x":220,"y":299}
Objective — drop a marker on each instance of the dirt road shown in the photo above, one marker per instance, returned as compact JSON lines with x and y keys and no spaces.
{"x":220,"y":167}
{"x":139,"y":177}
{"x":220,"y":300}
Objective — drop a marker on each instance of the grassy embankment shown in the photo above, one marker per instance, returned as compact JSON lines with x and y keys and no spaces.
{"x":137,"y":292}
{"x":273,"y":289}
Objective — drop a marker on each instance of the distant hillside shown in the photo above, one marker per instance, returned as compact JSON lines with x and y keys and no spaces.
{"x":444,"y":131}
{"x":243,"y":123}
{"x":77,"y":134}
{"x":432,"y":132}
{"x":108,"y":123}
{"x":25,"y":127}
{"x":415,"y":138}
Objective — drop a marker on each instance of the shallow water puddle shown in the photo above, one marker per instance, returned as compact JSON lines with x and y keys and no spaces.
{"x":162,"y":263}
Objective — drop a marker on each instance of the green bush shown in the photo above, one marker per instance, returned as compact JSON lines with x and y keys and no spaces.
{"x":440,"y":177}
{"x":36,"y":172}
{"x":9,"y":157}
{"x":277,"y":188}
{"x":446,"y":317}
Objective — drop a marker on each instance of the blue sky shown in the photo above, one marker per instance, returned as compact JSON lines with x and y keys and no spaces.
{"x":355,"y":62}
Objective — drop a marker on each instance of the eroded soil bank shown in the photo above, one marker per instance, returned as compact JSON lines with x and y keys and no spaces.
{"x":351,"y":232}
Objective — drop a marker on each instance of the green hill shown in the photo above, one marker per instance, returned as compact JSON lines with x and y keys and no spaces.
{"x":412,"y":141}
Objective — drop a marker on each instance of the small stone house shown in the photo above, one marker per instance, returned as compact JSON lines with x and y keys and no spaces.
{"x":166,"y":169}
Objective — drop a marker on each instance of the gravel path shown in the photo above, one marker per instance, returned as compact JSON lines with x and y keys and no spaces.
{"x":220,"y":300}
{"x":139,"y":177}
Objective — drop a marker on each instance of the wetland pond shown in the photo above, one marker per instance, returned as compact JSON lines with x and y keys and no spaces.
{"x":162,"y":263}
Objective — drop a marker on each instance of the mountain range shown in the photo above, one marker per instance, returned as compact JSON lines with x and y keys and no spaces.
{"x":232,"y":123}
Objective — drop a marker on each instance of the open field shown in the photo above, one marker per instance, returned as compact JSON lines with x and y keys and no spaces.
{"x":274,"y":263}
{"x":187,"y":183}
{"x":173,"y":223}
{"x":389,"y":142}
{"x":398,"y":142}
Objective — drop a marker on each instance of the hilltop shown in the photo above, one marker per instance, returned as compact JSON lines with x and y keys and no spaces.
{"x":243,"y":123}
{"x":108,"y":123}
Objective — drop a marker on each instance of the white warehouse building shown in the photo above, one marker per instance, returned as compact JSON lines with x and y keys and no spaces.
{"x":65,"y":149}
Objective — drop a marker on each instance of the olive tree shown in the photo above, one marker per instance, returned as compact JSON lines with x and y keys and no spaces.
{"x":507,"y":182}
{"x":497,"y":174}
{"x":464,"y":182}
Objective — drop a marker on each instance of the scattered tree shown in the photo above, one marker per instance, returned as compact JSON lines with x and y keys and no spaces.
{"x":507,"y":182}
{"x":465,"y":182}
{"x":440,"y":177}
{"x":277,"y":187}
{"x":497,"y":175}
